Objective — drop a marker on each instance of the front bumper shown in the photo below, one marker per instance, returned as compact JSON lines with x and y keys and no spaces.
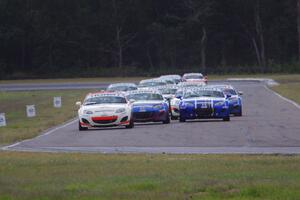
{"x":150,"y":116}
{"x":104,"y":121}
{"x":204,"y":113}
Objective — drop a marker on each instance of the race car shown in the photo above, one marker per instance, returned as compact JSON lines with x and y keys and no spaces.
{"x":194,"y":77}
{"x":105,"y":109}
{"x":168,"y":81}
{"x":151,"y":83}
{"x":204,"y":103}
{"x":176,"y":78}
{"x":169,"y":92}
{"x":122,"y":87}
{"x":234,"y":98}
{"x":174,"y":107}
{"x":191,"y":84}
{"x":149,"y":106}
{"x":174,"y":102}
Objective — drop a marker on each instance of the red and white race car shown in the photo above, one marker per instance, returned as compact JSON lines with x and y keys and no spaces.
{"x":105,"y":109}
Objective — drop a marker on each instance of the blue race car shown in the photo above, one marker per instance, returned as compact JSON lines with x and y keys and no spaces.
{"x":204,"y":103}
{"x":234,"y":98}
{"x":149,"y":106}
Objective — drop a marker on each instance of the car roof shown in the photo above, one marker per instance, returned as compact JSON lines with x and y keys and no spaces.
{"x":222,"y":86}
{"x":204,"y":89}
{"x":151,"y":80}
{"x":104,"y":93}
{"x":143,"y":91}
{"x":171,"y":76}
{"x":191,"y":84}
{"x":188,"y":74}
{"x":122,"y":84}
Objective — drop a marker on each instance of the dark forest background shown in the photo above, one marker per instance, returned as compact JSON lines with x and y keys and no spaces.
{"x":77,"y":38}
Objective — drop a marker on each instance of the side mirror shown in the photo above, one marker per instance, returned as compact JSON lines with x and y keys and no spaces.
{"x":78,"y":103}
{"x":240,"y":93}
{"x":228,"y":96}
{"x":179,"y":97}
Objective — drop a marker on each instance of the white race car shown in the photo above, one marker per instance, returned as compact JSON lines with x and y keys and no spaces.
{"x":176,"y":78}
{"x":105,"y":109}
{"x":194,"y":77}
{"x":122,"y":87}
{"x":151,"y":83}
{"x":191,"y":84}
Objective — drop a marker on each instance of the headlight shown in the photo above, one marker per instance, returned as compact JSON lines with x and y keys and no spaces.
{"x":220,"y":103}
{"x":158,"y":107}
{"x":120,"y":110}
{"x":87,"y":112}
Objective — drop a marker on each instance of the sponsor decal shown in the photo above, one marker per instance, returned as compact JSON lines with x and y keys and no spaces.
{"x":2,"y":119}
{"x":30,"y":111}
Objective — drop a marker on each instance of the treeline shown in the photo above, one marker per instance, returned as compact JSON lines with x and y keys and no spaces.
{"x":52,"y":38}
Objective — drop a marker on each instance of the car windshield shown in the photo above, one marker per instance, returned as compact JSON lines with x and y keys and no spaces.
{"x":145,"y":96}
{"x":193,"y":76}
{"x":122,"y":88}
{"x":168,"y":90}
{"x":152,"y":84}
{"x":169,"y":81}
{"x":230,"y":91}
{"x":202,"y":93}
{"x":179,"y":93}
{"x":105,"y":100}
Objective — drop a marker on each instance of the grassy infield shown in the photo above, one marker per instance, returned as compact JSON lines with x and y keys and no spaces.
{"x":82,"y":176}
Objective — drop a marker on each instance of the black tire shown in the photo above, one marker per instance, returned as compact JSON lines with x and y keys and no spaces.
{"x":226,"y":119}
{"x":181,"y":119}
{"x":131,"y":124}
{"x":173,"y":117}
{"x":239,"y":114}
{"x":80,"y":128}
{"x":167,"y":120}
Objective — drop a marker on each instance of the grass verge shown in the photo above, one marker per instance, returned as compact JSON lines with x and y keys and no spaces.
{"x":289,"y":87}
{"x":19,"y":127}
{"x":75,"y":80}
{"x":94,"y":176}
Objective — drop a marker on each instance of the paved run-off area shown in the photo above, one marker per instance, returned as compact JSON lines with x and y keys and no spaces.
{"x":269,"y":124}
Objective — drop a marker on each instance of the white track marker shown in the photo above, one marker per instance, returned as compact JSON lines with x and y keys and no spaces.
{"x":30,"y":111}
{"x":2,"y":119}
{"x":57,"y":102}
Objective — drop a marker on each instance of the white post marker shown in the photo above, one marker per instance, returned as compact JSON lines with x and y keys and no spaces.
{"x":57,"y":102}
{"x":30,"y":110}
{"x":2,"y":119}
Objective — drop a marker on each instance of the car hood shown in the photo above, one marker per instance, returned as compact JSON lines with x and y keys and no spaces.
{"x":195,"y":80}
{"x":152,"y":102}
{"x":205,"y":99}
{"x":104,"y":107}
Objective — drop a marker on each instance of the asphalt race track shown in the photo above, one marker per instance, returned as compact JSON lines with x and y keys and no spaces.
{"x":269,"y":124}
